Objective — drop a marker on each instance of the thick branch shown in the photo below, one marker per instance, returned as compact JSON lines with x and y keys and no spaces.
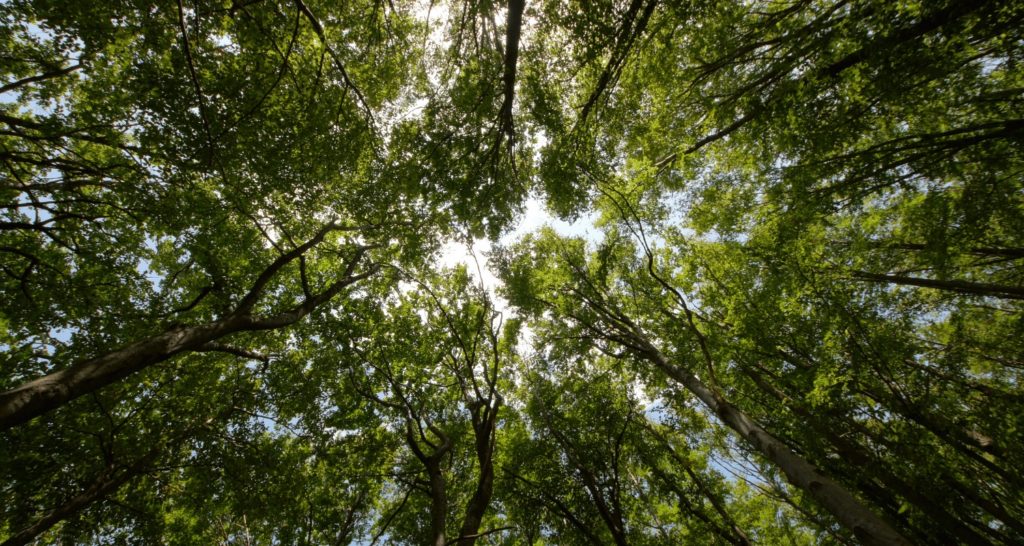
{"x":40,"y":77}
{"x":254,"y":293}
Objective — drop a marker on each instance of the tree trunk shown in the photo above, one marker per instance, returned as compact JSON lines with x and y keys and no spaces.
{"x":869,"y":528}
{"x":960,"y":287}
{"x":513,"y":30}
{"x":476,"y":507}
{"x":612,"y":518}
{"x":728,"y":531}
{"x":435,"y":474}
{"x":1004,"y":252}
{"x":102,"y":487}
{"x":438,"y":501}
{"x":109,"y":481}
{"x":853,"y":453}
{"x":49,"y":392}
{"x":481,"y":499}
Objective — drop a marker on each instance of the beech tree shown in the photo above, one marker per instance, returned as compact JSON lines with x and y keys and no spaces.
{"x":437,"y":366}
{"x":228,"y":311}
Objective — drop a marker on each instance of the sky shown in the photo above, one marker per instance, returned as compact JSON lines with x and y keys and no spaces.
{"x":534,"y":217}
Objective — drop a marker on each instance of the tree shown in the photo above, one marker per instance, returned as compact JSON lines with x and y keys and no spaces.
{"x":598,"y":316}
{"x":796,"y":318}
{"x":437,"y":365}
{"x":127,"y":206}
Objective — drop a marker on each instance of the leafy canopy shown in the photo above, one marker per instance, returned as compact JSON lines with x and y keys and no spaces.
{"x":797,"y":318}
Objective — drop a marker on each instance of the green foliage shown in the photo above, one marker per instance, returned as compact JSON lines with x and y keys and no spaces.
{"x":810,"y":234}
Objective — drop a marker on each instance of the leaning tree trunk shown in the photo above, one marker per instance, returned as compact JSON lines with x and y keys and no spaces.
{"x":961,"y":287}
{"x":52,"y":391}
{"x":850,"y":451}
{"x":869,"y":528}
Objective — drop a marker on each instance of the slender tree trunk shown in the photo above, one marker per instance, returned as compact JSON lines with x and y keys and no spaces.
{"x":103,"y":486}
{"x":435,"y":474}
{"x":610,"y":515}
{"x":930,"y":22}
{"x":854,"y":454}
{"x":939,"y":516}
{"x":992,"y":507}
{"x":728,"y":531}
{"x":109,"y":481}
{"x":960,"y":287}
{"x":612,"y":518}
{"x":739,"y":536}
{"x":948,"y":433}
{"x":869,"y":528}
{"x":1004,"y":252}
{"x":562,"y":509}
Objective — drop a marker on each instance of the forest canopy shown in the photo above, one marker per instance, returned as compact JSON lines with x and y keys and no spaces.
{"x":796,"y":315}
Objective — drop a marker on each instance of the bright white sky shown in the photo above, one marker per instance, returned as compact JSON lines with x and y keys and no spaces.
{"x":534,"y":217}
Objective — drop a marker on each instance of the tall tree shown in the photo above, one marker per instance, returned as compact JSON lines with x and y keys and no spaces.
{"x":436,"y":366}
